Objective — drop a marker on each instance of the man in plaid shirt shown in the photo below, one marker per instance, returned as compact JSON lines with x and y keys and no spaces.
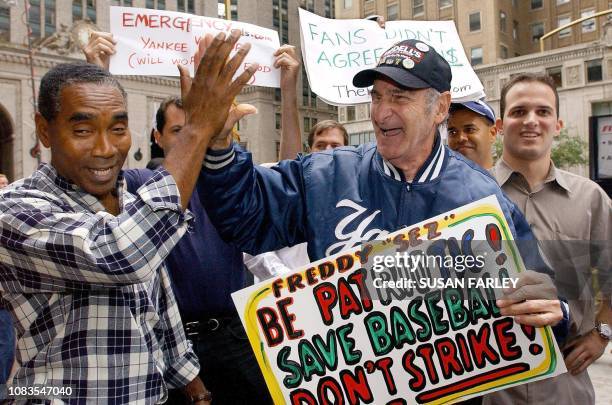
{"x":81,"y":259}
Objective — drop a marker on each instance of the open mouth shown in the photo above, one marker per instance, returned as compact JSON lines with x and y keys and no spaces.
{"x":102,"y":174}
{"x":529,"y":135}
{"x":391,"y":131}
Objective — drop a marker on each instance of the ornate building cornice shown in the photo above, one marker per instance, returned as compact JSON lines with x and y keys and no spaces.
{"x":579,"y":52}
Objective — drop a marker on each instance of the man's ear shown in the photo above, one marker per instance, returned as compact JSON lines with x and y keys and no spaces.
{"x":493,"y":131}
{"x":560,"y":126}
{"x":157,"y":135}
{"x":42,"y":130}
{"x":444,"y":102}
{"x":499,"y":126}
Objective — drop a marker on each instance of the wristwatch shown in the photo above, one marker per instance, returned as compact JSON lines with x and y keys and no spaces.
{"x":604,"y":330}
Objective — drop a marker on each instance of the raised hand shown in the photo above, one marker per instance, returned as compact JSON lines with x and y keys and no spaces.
{"x":208,"y":97}
{"x":287,"y":61}
{"x":236,"y":112}
{"x":99,"y":49}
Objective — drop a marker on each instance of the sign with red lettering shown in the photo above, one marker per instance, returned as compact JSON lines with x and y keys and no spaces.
{"x":152,"y":42}
{"x":411,"y":319}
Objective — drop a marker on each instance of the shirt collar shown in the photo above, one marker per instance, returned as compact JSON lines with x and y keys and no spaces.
{"x":503,"y":172}
{"x":429,"y":171}
{"x":76,"y":193}
{"x":557,"y":175}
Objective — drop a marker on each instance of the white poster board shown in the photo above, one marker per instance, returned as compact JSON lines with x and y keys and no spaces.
{"x":152,"y":42}
{"x":333,"y":330}
{"x":335,"y":50}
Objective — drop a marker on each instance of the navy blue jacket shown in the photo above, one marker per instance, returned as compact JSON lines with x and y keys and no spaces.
{"x":335,"y":200}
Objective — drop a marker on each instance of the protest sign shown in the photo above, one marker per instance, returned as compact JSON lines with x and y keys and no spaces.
{"x":335,"y":50}
{"x":352,"y":328}
{"x":152,"y":42}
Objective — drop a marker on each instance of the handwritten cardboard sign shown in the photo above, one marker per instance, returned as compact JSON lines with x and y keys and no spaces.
{"x":335,"y":50}
{"x":327,"y":334}
{"x":153,"y":42}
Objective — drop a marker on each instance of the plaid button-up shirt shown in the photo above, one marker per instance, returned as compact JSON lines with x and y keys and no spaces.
{"x":89,"y":293}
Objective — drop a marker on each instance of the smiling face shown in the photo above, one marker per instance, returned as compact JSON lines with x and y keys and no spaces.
{"x":405,"y":121}
{"x":89,"y":138}
{"x":472,"y":135}
{"x":530,"y":122}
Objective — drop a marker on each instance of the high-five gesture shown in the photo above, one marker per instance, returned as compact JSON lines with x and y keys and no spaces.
{"x":207,"y":100}
{"x":236,"y":112}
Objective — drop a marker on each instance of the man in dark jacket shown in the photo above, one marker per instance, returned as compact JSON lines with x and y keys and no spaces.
{"x":336,"y":199}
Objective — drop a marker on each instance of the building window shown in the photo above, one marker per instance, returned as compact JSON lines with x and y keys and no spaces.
{"x":277,"y":121}
{"x":536,"y":4}
{"x":418,"y":7}
{"x":503,"y":51}
{"x":562,"y":2}
{"x":307,"y":124}
{"x":123,"y":3}
{"x":279,"y":19}
{"x":156,"y":4}
{"x":350,"y":113}
{"x":476,"y":56}
{"x":310,"y":5}
{"x":503,"y":18}
{"x":221,"y":9}
{"x":348,"y":3}
{"x":514,"y":3}
{"x":561,"y":21}
{"x":537,"y":31}
{"x":556,"y":73}
{"x":588,"y":25}
{"x":329,"y":5}
{"x":392,"y":12}
{"x":308,"y":97}
{"x":187,"y":6}
{"x":83,"y":10}
{"x":594,"y":71}
{"x":515,"y":28}
{"x":602,"y":108}
{"x":445,"y":3}
{"x":42,"y":18}
{"x":360,"y":138}
{"x":475,"y":21}
{"x":5,"y":22}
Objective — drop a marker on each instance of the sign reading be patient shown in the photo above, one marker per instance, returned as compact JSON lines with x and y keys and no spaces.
{"x":153,"y":42}
{"x":382,"y":324}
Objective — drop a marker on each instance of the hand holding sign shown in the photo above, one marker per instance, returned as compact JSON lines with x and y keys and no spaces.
{"x":287,"y":61}
{"x":151,"y":42}
{"x":99,"y":48}
{"x":533,"y":302}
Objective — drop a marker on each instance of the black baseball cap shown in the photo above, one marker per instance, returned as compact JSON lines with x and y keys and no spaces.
{"x":412,"y":64}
